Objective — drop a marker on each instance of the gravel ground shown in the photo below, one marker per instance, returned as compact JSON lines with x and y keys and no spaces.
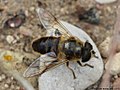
{"x":66,"y":10}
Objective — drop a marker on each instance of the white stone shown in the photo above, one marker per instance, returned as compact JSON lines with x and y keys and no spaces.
{"x":25,"y":31}
{"x":1,"y":79}
{"x":105,"y":1}
{"x":17,"y":88}
{"x":32,"y":8}
{"x":115,"y":64}
{"x":12,"y":87}
{"x":26,"y":13}
{"x":104,"y":47}
{"x":6,"y":85}
{"x":12,"y":24}
{"x":3,"y":76}
{"x":61,"y":77}
{"x":9,"y":39}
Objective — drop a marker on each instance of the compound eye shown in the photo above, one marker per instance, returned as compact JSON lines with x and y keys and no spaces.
{"x":88,"y":45}
{"x":86,"y":57}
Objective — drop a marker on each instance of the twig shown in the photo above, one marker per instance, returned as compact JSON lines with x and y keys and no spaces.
{"x":21,"y":80}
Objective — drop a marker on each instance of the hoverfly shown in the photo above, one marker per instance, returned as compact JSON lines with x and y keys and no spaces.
{"x":58,"y":49}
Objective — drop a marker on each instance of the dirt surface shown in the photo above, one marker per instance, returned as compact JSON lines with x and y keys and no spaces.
{"x":66,"y":10}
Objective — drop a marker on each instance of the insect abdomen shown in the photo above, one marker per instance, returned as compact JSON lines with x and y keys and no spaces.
{"x":45,"y":45}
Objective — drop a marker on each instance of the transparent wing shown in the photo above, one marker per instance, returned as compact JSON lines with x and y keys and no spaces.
{"x":43,"y":64}
{"x":33,"y":69}
{"x":40,"y":64}
{"x":51,"y":23}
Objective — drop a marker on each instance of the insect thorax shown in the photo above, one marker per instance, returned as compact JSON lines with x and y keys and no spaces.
{"x":71,"y":49}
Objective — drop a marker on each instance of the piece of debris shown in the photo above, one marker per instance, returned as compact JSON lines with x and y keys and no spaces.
{"x":6,"y":86}
{"x":16,"y":21}
{"x":91,"y":15}
{"x":2,"y":77}
{"x":9,"y":39}
{"x":25,"y":31}
{"x":104,"y":47}
{"x":115,"y":66}
{"x":105,"y":1}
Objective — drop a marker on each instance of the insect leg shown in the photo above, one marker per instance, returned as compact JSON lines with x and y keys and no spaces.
{"x":93,"y":54}
{"x":67,"y":64}
{"x":85,"y":64}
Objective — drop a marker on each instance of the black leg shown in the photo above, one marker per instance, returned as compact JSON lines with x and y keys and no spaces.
{"x":93,"y":52}
{"x":67,"y":64}
{"x":84,"y":64}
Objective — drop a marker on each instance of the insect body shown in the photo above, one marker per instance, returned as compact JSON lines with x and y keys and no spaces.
{"x":60,"y":49}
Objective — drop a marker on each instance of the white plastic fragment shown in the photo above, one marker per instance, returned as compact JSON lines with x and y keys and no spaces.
{"x":61,"y":77}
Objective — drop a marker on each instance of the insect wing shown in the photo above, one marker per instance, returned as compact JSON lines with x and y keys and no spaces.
{"x":45,"y":18}
{"x":33,"y":69}
{"x":37,"y":69}
{"x":51,"y":23}
{"x":55,"y":64}
{"x":39,"y":65}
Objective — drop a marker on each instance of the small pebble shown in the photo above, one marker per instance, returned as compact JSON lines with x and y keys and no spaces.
{"x":116,"y":76}
{"x":6,"y":85}
{"x":12,"y":24}
{"x":8,"y":80}
{"x":26,"y":13}
{"x":25,"y":31}
{"x":115,"y":66}
{"x":109,"y":9}
{"x":91,"y":16}
{"x":9,"y":39}
{"x":3,"y":76}
{"x":12,"y":78}
{"x":14,"y":41}
{"x":104,"y":47}
{"x":16,"y":21}
{"x":32,"y":8}
{"x":0,"y":78}
{"x":12,"y":87}
{"x":17,"y":88}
